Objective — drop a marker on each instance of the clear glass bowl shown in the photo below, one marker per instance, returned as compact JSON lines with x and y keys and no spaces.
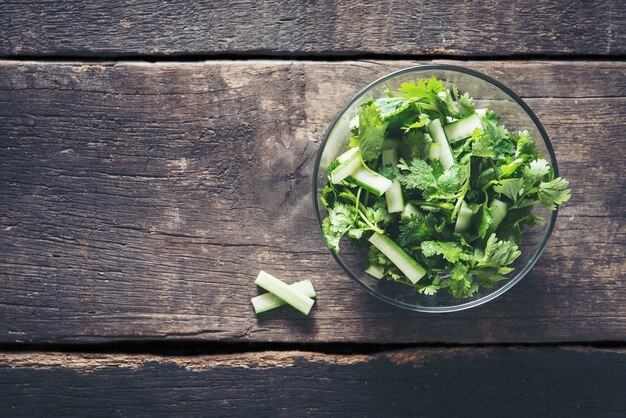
{"x":515,"y":115}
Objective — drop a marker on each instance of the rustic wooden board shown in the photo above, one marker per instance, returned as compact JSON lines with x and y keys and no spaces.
{"x":497,"y":28}
{"x":486,"y":382}
{"x":140,"y":200}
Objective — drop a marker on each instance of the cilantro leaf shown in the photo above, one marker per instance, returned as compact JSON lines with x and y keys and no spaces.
{"x":371,"y":132}
{"x":391,"y":106}
{"x":509,"y":169}
{"x":486,"y":219}
{"x":377,"y":214}
{"x":536,"y":171}
{"x":511,"y":188}
{"x":467,"y":104}
{"x":449,"y":250}
{"x":460,"y":282}
{"x":420,"y":175}
{"x":423,"y":89}
{"x":453,"y":178}
{"x":340,"y":219}
{"x":415,"y":144}
{"x":416,"y":228}
{"x":498,"y":253}
{"x":525,"y":146}
{"x":553,"y":193}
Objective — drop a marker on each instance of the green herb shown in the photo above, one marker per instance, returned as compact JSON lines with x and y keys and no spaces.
{"x":461,"y":226}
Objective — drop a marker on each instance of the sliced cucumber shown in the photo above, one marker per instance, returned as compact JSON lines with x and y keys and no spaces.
{"x":498,"y":212}
{"x":463,"y":128}
{"x":268,"y":301}
{"x":409,"y":210}
{"x":395,"y":201}
{"x":375,"y":271}
{"x":435,"y":151}
{"x":445,"y":155}
{"x":348,"y":164}
{"x":285,"y":292}
{"x":407,"y":265}
{"x":347,"y":155}
{"x":373,"y":182}
{"x":464,"y":220}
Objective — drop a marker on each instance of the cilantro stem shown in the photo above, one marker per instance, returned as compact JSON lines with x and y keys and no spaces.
{"x":446,"y":206}
{"x":372,"y":226}
{"x":356,"y":206}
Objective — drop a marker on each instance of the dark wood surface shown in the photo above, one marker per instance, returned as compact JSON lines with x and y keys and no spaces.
{"x":453,"y":382}
{"x":322,"y":28}
{"x":139,"y":197}
{"x":140,"y":201}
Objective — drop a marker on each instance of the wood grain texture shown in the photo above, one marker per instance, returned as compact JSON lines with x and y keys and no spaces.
{"x":322,"y":27}
{"x":140,"y":201}
{"x":486,"y":382}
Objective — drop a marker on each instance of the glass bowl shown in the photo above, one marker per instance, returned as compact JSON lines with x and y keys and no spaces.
{"x":515,"y":115}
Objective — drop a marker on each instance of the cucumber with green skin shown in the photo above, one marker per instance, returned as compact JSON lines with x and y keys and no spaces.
{"x":464,"y":219}
{"x":395,"y":200}
{"x":400,"y":258}
{"x":285,"y":292}
{"x":375,"y":271}
{"x":349,"y":162}
{"x":463,"y":128}
{"x":374,"y":182}
{"x":437,"y":133}
{"x":269,"y":301}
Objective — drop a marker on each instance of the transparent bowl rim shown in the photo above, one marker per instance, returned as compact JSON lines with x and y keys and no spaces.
{"x":547,"y":234}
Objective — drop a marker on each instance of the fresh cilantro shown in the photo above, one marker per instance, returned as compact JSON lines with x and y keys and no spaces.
{"x":449,"y":250}
{"x":371,"y":132}
{"x":536,"y":171}
{"x":420,"y":175}
{"x":553,"y":193}
{"x":416,"y":228}
{"x":491,"y":163}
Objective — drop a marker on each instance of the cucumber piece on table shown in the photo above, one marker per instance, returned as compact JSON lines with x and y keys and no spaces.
{"x":407,"y":265}
{"x":463,"y":128}
{"x":268,"y":301}
{"x":395,"y":201}
{"x":445,"y":155}
{"x":285,"y":292}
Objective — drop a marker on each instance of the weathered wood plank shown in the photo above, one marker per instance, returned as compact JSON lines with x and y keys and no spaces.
{"x":120,"y":28}
{"x":139,"y":201}
{"x":489,"y":382}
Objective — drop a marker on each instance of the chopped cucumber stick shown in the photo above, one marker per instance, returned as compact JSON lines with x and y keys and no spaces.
{"x":268,"y":301}
{"x":498,"y":212}
{"x":435,"y":151}
{"x":445,"y":155}
{"x":349,"y":162}
{"x":463,"y":128}
{"x":464,"y":220}
{"x":347,"y":155}
{"x":375,"y":271}
{"x":409,"y":210}
{"x":407,"y":265}
{"x":285,"y":292}
{"x":395,"y":200}
{"x":374,"y":182}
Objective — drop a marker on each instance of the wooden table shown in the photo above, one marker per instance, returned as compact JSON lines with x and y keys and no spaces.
{"x":155,"y":156}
